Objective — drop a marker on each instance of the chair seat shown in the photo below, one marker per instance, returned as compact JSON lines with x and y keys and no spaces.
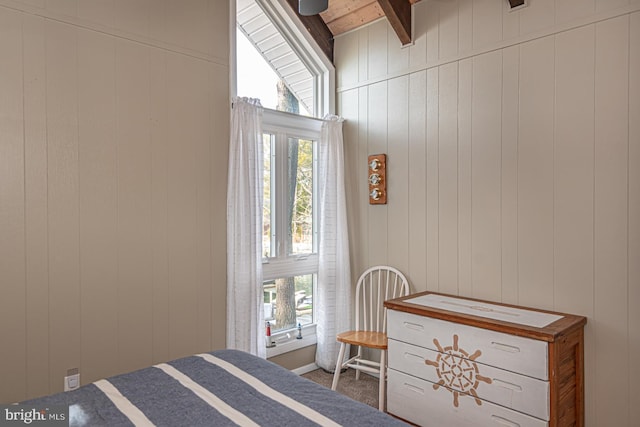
{"x":369,"y":339}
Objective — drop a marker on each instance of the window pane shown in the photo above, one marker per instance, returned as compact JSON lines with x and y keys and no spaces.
{"x":268,"y":193}
{"x":300,"y":198}
{"x":289,"y":301}
{"x":275,"y":76}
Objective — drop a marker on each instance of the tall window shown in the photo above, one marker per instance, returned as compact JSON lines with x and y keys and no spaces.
{"x":289,"y":238}
{"x":279,"y":65}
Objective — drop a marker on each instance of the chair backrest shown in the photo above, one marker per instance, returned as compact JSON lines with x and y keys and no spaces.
{"x":375,"y":286}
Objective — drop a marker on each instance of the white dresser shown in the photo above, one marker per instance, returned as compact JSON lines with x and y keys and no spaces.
{"x":456,"y":361}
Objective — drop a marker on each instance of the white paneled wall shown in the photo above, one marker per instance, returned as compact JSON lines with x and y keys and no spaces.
{"x":513,"y":142}
{"x":113,"y":148}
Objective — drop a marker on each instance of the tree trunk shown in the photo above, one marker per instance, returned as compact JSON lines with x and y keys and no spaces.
{"x":285,"y":303}
{"x":286,"y":99}
{"x":286,"y":287}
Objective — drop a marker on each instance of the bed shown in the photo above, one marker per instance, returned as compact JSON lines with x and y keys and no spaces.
{"x":224,"y":387}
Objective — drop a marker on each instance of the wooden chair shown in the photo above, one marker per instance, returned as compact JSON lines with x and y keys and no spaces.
{"x":375,"y":285}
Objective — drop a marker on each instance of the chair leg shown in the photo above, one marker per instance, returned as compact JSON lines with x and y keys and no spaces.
{"x":336,"y":373}
{"x":383,"y":378}
{"x":358,"y":362}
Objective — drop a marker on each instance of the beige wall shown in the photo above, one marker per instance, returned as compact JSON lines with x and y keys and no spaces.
{"x":296,"y":359}
{"x":113,"y":150}
{"x":513,"y":143}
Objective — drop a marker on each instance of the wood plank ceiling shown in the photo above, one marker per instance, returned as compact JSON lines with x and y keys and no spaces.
{"x":346,"y":15}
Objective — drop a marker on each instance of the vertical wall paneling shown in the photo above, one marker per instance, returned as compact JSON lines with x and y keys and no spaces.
{"x":510,"y":22}
{"x":523,"y":167}
{"x":417,"y":273}
{"x":448,"y":29}
{"x":348,"y":106}
{"x":347,"y":74}
{"x":568,"y":10}
{"x":604,"y":5}
{"x":36,"y":3}
{"x":202,"y":91}
{"x":433,"y":32}
{"x":509,"y":174}
{"x":611,"y":221}
{"x":63,"y":7}
{"x":192,"y":27}
{"x":12,"y":208}
{"x":361,"y":256}
{"x":363,"y":54}
{"x":485,"y":176}
{"x":535,"y":174}
{"x":398,"y":58}
{"x":113,"y":162}
{"x":135,"y":17}
{"x":99,"y":11}
{"x":159,"y":203}
{"x":418,"y":50}
{"x":134,"y":205}
{"x":432,"y":219}
{"x":573,"y":171}
{"x":633,"y":303}
{"x":378,"y":227}
{"x":448,"y":178}
{"x":182,"y":215}
{"x":487,"y":22}
{"x":98,"y":178}
{"x":214,"y":42}
{"x":62,"y":149}
{"x":573,"y":188}
{"x":35,"y":173}
{"x":465,"y":26}
{"x":157,"y":16}
{"x":377,"y":49}
{"x":397,"y":165}
{"x":218,"y":156}
{"x":465,"y":117}
{"x":537,"y":16}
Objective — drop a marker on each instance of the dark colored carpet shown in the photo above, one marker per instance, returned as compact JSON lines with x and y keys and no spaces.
{"x":364,"y":390}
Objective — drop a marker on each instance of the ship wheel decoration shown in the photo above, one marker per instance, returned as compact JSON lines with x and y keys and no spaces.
{"x":457,"y":371}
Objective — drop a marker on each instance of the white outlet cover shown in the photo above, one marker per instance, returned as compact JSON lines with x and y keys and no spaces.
{"x":71,"y":382}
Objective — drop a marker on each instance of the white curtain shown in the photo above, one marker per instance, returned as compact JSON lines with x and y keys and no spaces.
{"x":334,"y":304}
{"x":245,"y":313}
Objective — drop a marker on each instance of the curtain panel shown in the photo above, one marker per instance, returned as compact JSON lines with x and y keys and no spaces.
{"x":245,"y":314}
{"x":334,"y":302}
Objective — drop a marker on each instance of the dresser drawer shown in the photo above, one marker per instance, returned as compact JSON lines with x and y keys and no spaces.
{"x":515,"y":391}
{"x":415,"y":400}
{"x":510,"y":352}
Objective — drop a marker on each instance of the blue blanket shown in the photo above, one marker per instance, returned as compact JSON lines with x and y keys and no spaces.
{"x":225,"y":387}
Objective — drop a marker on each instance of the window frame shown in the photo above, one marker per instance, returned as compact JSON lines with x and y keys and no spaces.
{"x":285,"y":19}
{"x":286,"y":125}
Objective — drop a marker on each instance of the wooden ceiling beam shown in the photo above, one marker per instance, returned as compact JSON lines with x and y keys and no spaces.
{"x":398,"y":13}
{"x":318,"y":30}
{"x":341,"y":23}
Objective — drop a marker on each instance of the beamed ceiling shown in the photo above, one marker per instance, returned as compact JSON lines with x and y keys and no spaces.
{"x":346,"y":15}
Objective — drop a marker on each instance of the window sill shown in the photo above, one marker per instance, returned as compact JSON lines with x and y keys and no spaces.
{"x":285,"y":344}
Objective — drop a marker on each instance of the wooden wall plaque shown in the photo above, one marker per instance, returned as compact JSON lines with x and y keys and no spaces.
{"x":377,"y":177}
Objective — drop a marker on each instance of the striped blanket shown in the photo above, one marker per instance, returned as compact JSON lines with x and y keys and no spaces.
{"x":225,"y":387}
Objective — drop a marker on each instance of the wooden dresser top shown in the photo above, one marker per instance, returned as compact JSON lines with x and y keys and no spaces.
{"x":462,"y":309}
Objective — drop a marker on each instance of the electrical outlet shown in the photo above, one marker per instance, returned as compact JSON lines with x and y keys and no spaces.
{"x":72,"y":380}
